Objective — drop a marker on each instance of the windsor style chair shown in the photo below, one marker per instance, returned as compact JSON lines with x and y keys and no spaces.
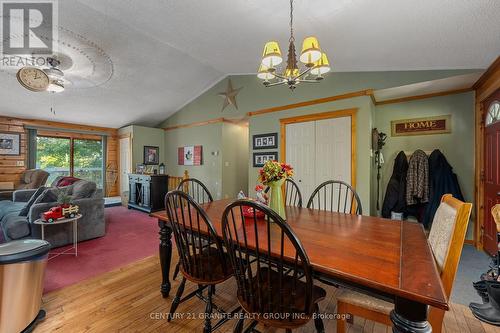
{"x":201,"y":254}
{"x":280,"y":280}
{"x":336,"y":196}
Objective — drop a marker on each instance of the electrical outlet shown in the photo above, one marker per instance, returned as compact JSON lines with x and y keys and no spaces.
{"x":20,"y":163}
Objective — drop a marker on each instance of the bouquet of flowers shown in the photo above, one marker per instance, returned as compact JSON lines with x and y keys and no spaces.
{"x":274,"y":171}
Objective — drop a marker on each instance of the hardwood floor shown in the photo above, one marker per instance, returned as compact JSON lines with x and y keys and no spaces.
{"x":128,"y":300}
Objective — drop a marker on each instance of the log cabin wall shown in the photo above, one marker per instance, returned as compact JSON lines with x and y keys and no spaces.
{"x":11,"y":167}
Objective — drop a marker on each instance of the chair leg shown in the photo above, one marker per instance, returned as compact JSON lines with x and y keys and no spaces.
{"x":176,"y":271}
{"x":288,"y":330}
{"x":177,"y":299}
{"x":318,"y":322}
{"x":238,"y":328}
{"x":208,"y":311}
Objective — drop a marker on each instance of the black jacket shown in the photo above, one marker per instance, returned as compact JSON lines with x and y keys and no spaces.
{"x":395,"y":195}
{"x":442,"y":180}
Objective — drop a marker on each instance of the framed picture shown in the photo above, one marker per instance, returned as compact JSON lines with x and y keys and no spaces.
{"x":190,"y":155}
{"x":10,"y":143}
{"x":140,"y":168}
{"x":262,"y":157}
{"x":265,"y":141}
{"x":151,"y":155}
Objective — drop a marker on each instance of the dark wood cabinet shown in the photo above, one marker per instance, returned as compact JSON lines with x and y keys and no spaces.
{"x":147,"y":192}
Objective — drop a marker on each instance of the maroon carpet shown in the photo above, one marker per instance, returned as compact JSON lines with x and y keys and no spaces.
{"x":130,"y":236}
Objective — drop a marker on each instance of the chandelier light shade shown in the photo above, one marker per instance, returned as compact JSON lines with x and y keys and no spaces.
{"x":264,"y":73}
{"x":322,"y":66}
{"x":314,"y":62}
{"x":310,"y":51}
{"x":271,"y":56}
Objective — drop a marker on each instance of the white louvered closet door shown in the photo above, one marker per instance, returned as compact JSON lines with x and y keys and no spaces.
{"x":319,"y":151}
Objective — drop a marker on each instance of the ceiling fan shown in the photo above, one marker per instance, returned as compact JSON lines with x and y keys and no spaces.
{"x":50,"y":79}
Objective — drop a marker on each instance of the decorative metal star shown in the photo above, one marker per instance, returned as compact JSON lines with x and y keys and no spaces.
{"x":229,"y":95}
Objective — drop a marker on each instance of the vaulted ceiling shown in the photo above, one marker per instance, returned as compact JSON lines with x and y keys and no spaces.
{"x":165,"y":53}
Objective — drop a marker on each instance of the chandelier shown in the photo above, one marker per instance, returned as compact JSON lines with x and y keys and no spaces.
{"x":314,"y":60}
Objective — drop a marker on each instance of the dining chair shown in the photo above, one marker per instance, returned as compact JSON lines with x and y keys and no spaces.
{"x":293,"y":197}
{"x":200,"y":193}
{"x":446,"y":240}
{"x":279,"y":281}
{"x":196,"y":189}
{"x":201,"y":254}
{"x":336,"y":196}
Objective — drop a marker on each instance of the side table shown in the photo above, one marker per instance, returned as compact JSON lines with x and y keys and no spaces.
{"x":74,"y":221}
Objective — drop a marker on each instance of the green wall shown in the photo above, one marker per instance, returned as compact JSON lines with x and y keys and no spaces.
{"x":144,"y":136}
{"x":457,"y":146}
{"x":210,"y":137}
{"x":234,"y":159}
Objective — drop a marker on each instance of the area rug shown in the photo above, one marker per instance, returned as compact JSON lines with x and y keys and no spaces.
{"x":130,"y":236}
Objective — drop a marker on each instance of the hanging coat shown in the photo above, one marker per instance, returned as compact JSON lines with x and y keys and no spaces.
{"x":395,"y":194}
{"x":417,"y":179}
{"x":442,"y":180}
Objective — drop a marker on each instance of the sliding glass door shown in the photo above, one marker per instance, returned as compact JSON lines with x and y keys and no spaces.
{"x":54,"y":156}
{"x":87,"y":160}
{"x":69,"y":156}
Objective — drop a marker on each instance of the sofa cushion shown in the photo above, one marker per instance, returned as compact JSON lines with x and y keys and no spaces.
{"x":31,"y":201}
{"x":16,"y":227}
{"x":48,"y":195}
{"x":83,"y":189}
{"x":9,"y":208}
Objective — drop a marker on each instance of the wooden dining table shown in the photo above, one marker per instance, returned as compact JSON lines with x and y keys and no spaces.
{"x":387,"y":259}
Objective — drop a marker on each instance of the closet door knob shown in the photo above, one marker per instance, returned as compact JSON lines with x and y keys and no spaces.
{"x":498,"y":193}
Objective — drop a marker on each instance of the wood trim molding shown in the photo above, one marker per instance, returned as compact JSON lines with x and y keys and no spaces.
{"x":320,"y":116}
{"x":240,"y":122}
{"x":491,"y":72}
{"x":360,"y":93}
{"x":485,"y":86}
{"x":54,"y":125}
{"x":417,"y":97}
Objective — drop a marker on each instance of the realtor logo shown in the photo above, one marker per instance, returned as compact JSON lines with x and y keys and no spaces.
{"x":28,"y":28}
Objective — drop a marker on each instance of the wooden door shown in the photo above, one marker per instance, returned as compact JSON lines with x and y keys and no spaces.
{"x":491,"y":170}
{"x":300,"y":154}
{"x":125,"y":164}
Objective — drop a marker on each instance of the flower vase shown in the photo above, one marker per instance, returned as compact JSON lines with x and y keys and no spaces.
{"x":276,"y":202}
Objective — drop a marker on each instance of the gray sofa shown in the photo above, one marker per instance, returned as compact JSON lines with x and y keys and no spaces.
{"x":16,"y":221}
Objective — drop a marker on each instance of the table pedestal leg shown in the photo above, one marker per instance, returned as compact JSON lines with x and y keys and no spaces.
{"x":409,"y":317}
{"x":165,"y":256}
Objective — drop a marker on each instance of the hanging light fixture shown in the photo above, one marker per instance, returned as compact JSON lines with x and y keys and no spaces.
{"x":315,"y":62}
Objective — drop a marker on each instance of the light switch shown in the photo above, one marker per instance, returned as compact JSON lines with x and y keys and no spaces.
{"x":226,"y":164}
{"x":20,"y":163}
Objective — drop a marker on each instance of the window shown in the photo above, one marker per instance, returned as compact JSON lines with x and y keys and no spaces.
{"x":493,"y":113}
{"x":87,"y":160}
{"x":77,"y":157}
{"x":53,"y":156}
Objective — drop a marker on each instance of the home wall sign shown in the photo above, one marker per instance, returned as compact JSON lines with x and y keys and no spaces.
{"x":262,"y":157}
{"x":421,"y":126}
{"x":10,"y":143}
{"x":265,"y":141}
{"x":190,"y":155}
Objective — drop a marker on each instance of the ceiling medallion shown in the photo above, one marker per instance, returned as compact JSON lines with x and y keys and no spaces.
{"x":229,"y":95}
{"x":314,"y":60}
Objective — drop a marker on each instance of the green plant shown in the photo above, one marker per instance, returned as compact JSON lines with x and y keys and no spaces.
{"x":63,"y":197}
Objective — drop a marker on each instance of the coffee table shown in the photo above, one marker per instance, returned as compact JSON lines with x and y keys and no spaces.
{"x":74,"y":221}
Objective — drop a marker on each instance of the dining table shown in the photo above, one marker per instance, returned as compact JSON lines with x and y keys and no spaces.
{"x":387,"y":259}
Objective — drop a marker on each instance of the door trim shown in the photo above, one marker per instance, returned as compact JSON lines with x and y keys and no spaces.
{"x":485,"y":87}
{"x":320,"y":116}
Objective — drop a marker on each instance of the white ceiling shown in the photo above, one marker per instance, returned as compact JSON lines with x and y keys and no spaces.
{"x":428,"y":87}
{"x":165,"y":52}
